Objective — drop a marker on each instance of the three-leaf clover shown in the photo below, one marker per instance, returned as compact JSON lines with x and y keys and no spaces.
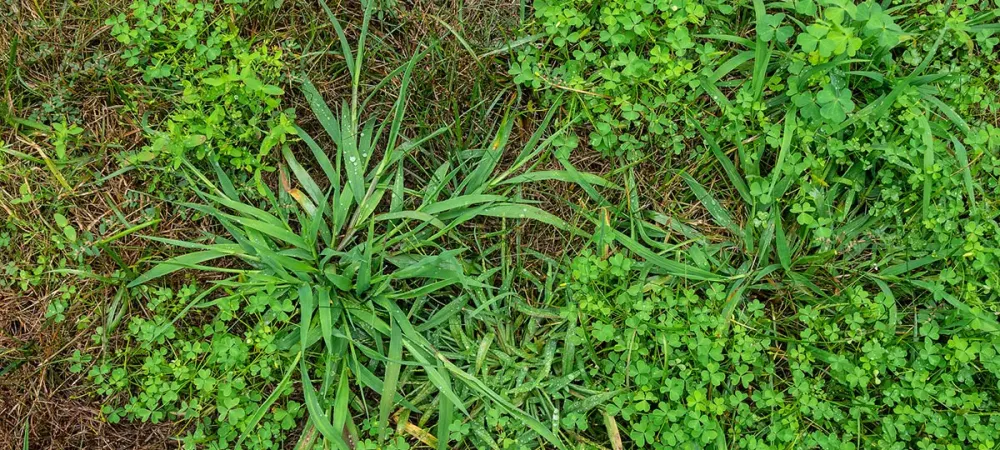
{"x":770,"y":28}
{"x":809,"y":40}
{"x":835,"y":103}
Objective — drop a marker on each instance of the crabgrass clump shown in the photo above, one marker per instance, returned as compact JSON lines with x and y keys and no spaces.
{"x":354,"y":267}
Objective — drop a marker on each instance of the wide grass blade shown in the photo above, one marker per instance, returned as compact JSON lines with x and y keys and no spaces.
{"x":521,"y":211}
{"x":392,"y":368}
{"x":317,"y":414}
{"x":663,"y":265}
{"x":727,"y":165}
{"x":475,"y":182}
{"x":718,"y":213}
{"x":786,"y":144}
{"x":177,"y":263}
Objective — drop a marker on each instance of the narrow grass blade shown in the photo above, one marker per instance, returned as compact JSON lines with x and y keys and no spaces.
{"x":341,"y":400}
{"x":417,"y":216}
{"x":715,"y":94}
{"x":732,"y":63}
{"x":413,"y":339}
{"x":303,"y":177}
{"x":510,"y":45}
{"x":444,"y":313}
{"x":350,"y":157}
{"x":963,"y":160}
{"x":484,"y":390}
{"x":460,"y":202}
{"x":399,"y":108}
{"x":325,"y":318}
{"x":446,"y":411}
{"x":907,"y":266}
{"x":562,"y":175}
{"x":121,"y":234}
{"x":345,"y":45}
{"x":762,"y":56}
{"x":460,"y":39}
{"x":982,"y":320}
{"x":781,"y":241}
{"x":273,"y":397}
{"x":324,"y":115}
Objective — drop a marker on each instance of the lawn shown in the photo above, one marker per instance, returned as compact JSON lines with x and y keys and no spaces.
{"x":484,"y":224}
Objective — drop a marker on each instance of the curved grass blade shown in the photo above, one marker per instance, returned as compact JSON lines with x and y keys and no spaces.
{"x":719,"y":213}
{"x":177,"y":263}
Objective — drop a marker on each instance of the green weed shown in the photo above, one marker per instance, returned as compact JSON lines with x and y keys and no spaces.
{"x":229,"y":102}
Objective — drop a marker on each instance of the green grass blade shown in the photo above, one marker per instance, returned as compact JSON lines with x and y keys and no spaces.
{"x":718,"y":213}
{"x":461,"y":201}
{"x":963,"y":161}
{"x":664,"y":265}
{"x":317,"y":415}
{"x":476,"y":181}
{"x":269,"y":401}
{"x":341,"y":400}
{"x":786,"y":144}
{"x":177,"y":263}
{"x":400,"y":108}
{"x":303,"y":177}
{"x":762,"y":52}
{"x":982,"y":320}
{"x":727,"y":165}
{"x":345,"y":45}
{"x":388,"y":392}
{"x":325,"y":318}
{"x":446,"y":411}
{"x":516,"y":211}
{"x":732,"y":63}
{"x":715,"y":94}
{"x":417,"y":216}
{"x":484,"y":390}
{"x":562,"y":175}
{"x":928,"y":141}
{"x":324,"y":115}
{"x":781,"y":241}
{"x":417,"y":346}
